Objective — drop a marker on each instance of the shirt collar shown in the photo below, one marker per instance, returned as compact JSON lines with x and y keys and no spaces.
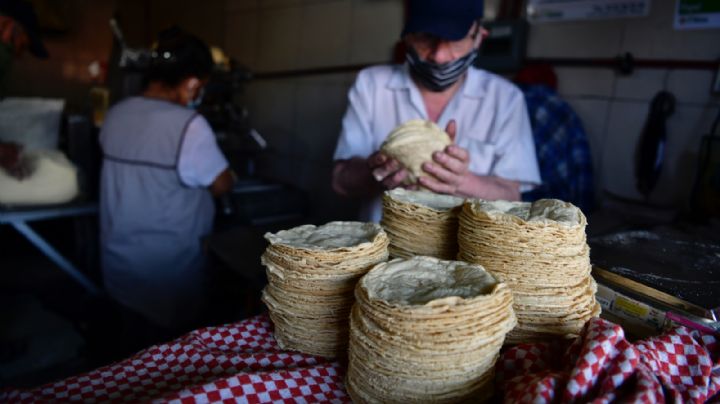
{"x":475,"y":83}
{"x":400,"y":78}
{"x":474,"y":86}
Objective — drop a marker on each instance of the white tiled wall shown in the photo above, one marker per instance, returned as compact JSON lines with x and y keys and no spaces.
{"x":301,"y":117}
{"x":272,"y":107}
{"x":375,"y":30}
{"x":614,"y":107}
{"x":593,"y":112}
{"x":685,"y":128}
{"x":689,"y":123}
{"x":241,"y":35}
{"x":585,"y":82}
{"x":692,"y":86}
{"x":320,"y":104}
{"x":241,"y":5}
{"x":625,"y":121}
{"x":278,"y":40}
{"x":324,"y":34}
{"x":574,"y":39}
{"x":642,"y":85}
{"x":653,"y":37}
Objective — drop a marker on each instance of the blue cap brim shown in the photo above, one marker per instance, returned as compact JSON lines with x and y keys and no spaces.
{"x":449,"y":29}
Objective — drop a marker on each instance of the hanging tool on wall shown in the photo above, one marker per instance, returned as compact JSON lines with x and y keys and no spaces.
{"x":650,"y":150}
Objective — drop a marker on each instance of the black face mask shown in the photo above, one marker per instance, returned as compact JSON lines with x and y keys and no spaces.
{"x":438,"y":77}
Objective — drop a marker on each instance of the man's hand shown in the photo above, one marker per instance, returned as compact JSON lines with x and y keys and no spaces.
{"x":449,"y":168}
{"x":452,"y":175}
{"x":365,"y":177}
{"x":386,"y":170}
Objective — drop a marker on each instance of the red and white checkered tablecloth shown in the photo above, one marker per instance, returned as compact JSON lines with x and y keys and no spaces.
{"x":240,"y":362}
{"x":602,"y":366}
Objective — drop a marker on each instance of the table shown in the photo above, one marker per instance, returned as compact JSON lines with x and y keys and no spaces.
{"x":19,"y":218}
{"x":241,"y":362}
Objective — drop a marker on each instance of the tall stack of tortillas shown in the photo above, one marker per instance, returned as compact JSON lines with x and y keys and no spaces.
{"x":413,"y":144}
{"x":540,"y":251}
{"x":426,"y":330}
{"x":421,"y":223}
{"x":312,"y":272}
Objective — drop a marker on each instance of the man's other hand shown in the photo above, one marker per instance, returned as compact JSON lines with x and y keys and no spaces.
{"x":386,"y":170}
{"x":449,"y":168}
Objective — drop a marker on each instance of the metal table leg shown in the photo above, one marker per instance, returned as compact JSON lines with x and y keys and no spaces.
{"x":58,"y":259}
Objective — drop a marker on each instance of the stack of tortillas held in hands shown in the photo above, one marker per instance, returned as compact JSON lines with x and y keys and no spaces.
{"x":540,"y":251}
{"x":312,"y":272}
{"x":426,"y":330}
{"x":421,"y":223}
{"x":413,"y":143}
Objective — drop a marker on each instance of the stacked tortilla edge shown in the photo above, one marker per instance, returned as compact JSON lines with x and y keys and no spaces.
{"x":311,"y":281}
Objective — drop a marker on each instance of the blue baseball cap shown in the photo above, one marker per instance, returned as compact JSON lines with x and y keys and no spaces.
{"x":23,"y":12}
{"x":447,"y":19}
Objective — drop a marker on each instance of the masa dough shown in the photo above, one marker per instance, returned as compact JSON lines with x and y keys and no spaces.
{"x":53,"y":179}
{"x":413,"y":143}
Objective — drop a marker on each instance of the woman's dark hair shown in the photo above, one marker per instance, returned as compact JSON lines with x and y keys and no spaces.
{"x":178,"y":55}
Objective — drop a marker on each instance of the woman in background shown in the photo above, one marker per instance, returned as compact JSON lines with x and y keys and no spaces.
{"x":161,"y":168}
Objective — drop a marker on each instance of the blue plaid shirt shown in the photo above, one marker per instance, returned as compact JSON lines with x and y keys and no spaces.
{"x":562,"y":149}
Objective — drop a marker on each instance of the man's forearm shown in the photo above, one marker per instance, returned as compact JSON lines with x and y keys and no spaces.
{"x":489,"y":187}
{"x":353,"y":178}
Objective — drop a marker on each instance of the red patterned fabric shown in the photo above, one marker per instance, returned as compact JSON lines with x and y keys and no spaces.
{"x":602,"y":366}
{"x":236,"y":363}
{"x":241,"y":362}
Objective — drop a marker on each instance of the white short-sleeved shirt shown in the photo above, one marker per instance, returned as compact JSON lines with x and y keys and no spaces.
{"x":201,"y":160}
{"x":490,"y":114}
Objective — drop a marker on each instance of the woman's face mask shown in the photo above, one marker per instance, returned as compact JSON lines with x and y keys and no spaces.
{"x":438,"y":77}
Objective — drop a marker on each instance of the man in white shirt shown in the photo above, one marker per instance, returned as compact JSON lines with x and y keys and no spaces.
{"x":493,"y":154}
